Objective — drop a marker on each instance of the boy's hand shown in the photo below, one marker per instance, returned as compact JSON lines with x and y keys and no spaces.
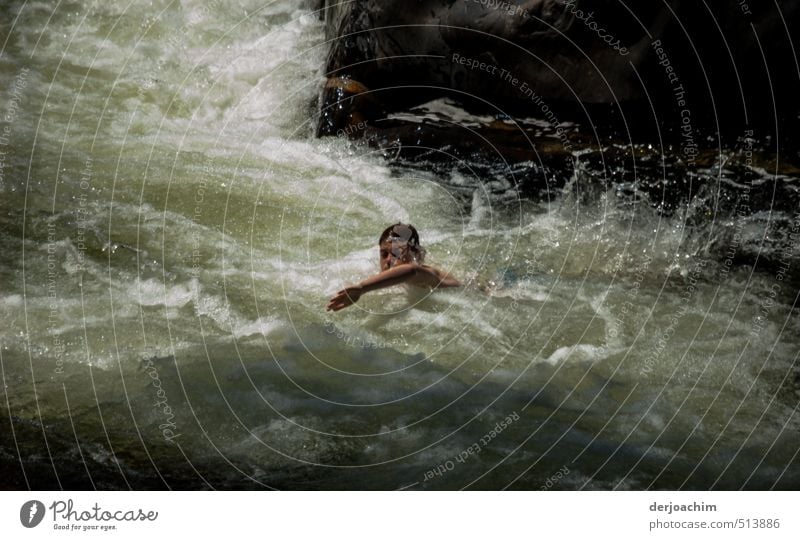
{"x":345,"y":297}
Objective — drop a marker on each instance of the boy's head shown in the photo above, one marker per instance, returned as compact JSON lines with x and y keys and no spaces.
{"x":399,"y":244}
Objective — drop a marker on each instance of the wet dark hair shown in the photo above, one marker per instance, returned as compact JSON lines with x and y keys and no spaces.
{"x":407,"y":235}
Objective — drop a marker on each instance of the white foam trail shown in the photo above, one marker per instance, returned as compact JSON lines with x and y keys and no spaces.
{"x":151,"y":292}
{"x":577,"y":353}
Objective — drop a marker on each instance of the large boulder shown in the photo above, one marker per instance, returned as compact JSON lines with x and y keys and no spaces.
{"x":726,"y":64}
{"x":692,"y":104}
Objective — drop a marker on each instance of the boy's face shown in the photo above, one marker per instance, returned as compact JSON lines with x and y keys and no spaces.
{"x":391,"y":253}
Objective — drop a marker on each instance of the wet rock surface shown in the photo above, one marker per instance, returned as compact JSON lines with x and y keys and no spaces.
{"x":729,"y":57}
{"x":686,"y":108}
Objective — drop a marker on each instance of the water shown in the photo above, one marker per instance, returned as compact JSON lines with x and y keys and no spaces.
{"x":171,"y":233}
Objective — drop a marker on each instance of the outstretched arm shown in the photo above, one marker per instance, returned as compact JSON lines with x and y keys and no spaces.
{"x":416,"y":274}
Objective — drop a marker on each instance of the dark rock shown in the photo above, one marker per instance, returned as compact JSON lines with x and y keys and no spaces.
{"x":720,"y":62}
{"x":691,"y":107}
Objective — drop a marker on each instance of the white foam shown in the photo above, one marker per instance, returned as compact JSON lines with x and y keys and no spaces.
{"x":439,"y":110}
{"x":13,"y":301}
{"x":577,"y":353}
{"x":480,"y":208}
{"x":151,"y":292}
{"x":261,"y":326}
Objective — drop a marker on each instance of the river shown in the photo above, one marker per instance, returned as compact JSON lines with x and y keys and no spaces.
{"x":171,"y":231}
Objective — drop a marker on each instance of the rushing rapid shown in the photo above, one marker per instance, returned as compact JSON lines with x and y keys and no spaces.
{"x":171,"y":232}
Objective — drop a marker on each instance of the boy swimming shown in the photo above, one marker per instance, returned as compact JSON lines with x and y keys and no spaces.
{"x":401,"y":259}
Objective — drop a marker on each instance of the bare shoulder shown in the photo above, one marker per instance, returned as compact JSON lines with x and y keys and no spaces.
{"x":429,"y":276}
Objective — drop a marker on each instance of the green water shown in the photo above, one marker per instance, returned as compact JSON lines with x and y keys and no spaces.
{"x":171,"y":233}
